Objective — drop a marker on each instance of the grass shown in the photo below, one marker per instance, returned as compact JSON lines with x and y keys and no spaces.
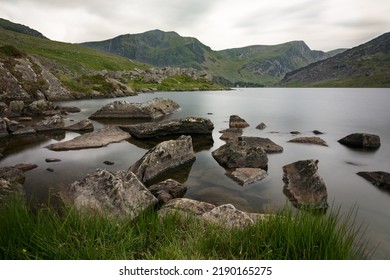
{"x":45,"y":234}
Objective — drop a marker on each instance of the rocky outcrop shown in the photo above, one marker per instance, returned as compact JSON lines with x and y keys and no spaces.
{"x":237,"y":122}
{"x":164,"y":157}
{"x":380,"y":179}
{"x":39,"y":108}
{"x":167,"y":190}
{"x":186,"y":126}
{"x":309,"y":140}
{"x":240,"y":153}
{"x":226,"y":215}
{"x":119,"y":194}
{"x":303,"y":185}
{"x":152,"y":109}
{"x":246,"y":176}
{"x":101,"y":138}
{"x":361,"y":140}
{"x":55,"y":122}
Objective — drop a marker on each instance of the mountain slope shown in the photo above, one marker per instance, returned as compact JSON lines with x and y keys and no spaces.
{"x":367,"y":65}
{"x":253,"y":65}
{"x":19,"y":28}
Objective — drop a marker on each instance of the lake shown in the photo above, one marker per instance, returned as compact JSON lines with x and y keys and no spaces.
{"x":336,"y":112}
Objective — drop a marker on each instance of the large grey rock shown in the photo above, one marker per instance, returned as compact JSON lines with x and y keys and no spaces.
{"x":12,"y":174}
{"x":228,"y":216}
{"x":231,"y":133}
{"x":185,"y":126}
{"x":117,"y":194}
{"x":239,"y":153}
{"x":39,"y":107}
{"x":303,"y":185}
{"x":55,"y":122}
{"x":83,"y":125}
{"x":153,"y":109}
{"x":163,"y":157}
{"x":101,"y":138}
{"x":361,"y":140}
{"x":185,"y":206}
{"x":380,"y":179}
{"x":309,"y":140}
{"x":16,"y":106}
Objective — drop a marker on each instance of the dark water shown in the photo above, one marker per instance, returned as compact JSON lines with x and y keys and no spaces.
{"x":336,"y":112}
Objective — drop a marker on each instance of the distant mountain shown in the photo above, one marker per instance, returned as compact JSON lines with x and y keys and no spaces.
{"x":20,"y":28}
{"x":367,"y":65}
{"x":248,"y":66}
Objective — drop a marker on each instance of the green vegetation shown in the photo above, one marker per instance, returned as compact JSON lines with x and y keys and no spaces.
{"x":45,"y":234}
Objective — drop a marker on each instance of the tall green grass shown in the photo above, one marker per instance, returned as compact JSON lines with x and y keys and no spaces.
{"x":46,"y":234}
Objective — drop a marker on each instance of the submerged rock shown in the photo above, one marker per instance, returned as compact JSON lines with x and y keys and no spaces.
{"x":186,"y":126}
{"x":163,"y":157}
{"x":380,"y":179}
{"x":153,"y":109}
{"x":101,"y":138}
{"x":303,"y":185}
{"x":118,"y":194}
{"x":309,"y":140}
{"x":245,"y":176}
{"x":239,"y":153}
{"x":361,"y":140}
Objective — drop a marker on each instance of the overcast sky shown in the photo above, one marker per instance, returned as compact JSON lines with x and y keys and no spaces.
{"x":220,"y":24}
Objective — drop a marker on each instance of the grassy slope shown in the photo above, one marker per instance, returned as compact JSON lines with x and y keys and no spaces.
{"x":47,"y":235}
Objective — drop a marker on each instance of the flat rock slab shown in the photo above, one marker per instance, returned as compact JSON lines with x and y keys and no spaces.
{"x":380,"y":179}
{"x":185,"y":126}
{"x":83,"y":125}
{"x":153,"y":109}
{"x":309,"y":140}
{"x":246,"y":176}
{"x":101,"y":138}
{"x":303,"y":185}
{"x":361,"y":140}
{"x":267,"y":144}
{"x":164,"y":157}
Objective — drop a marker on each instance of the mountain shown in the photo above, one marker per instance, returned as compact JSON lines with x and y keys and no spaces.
{"x":253,"y":65}
{"x":19,"y":28}
{"x":367,"y":65}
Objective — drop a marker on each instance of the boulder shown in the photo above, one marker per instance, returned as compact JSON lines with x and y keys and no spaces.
{"x":16,"y":106}
{"x":12,"y":174}
{"x":186,"y":126}
{"x":361,"y":140}
{"x":309,"y":140}
{"x":226,"y":215}
{"x":163,"y":157}
{"x":84,"y":125}
{"x":38,"y":107}
{"x":267,"y":144}
{"x":101,"y":138}
{"x":380,"y":179}
{"x":261,"y":126}
{"x":55,"y":122}
{"x":239,"y":153}
{"x":153,"y":109}
{"x":303,"y":185}
{"x":167,"y":190}
{"x":237,"y":122}
{"x":119,"y":194}
{"x":245,"y":176}
{"x":13,"y":125}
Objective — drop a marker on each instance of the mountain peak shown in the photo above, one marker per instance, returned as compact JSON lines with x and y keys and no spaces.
{"x":19,"y":28}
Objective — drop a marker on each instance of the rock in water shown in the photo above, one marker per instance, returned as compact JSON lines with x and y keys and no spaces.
{"x":237,"y":122}
{"x":117,"y":194}
{"x":153,"y":109}
{"x":186,"y":126}
{"x":238,"y":153}
{"x":309,"y":140}
{"x":361,"y":140}
{"x":163,"y":157}
{"x":303,"y":185}
{"x":380,"y":179}
{"x":246,"y":176}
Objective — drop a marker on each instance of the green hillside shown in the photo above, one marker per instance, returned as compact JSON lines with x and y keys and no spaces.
{"x":367,"y":65}
{"x":20,"y":28}
{"x":248,"y":66}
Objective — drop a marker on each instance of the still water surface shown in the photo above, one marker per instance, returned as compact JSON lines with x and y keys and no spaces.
{"x":336,"y":112}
